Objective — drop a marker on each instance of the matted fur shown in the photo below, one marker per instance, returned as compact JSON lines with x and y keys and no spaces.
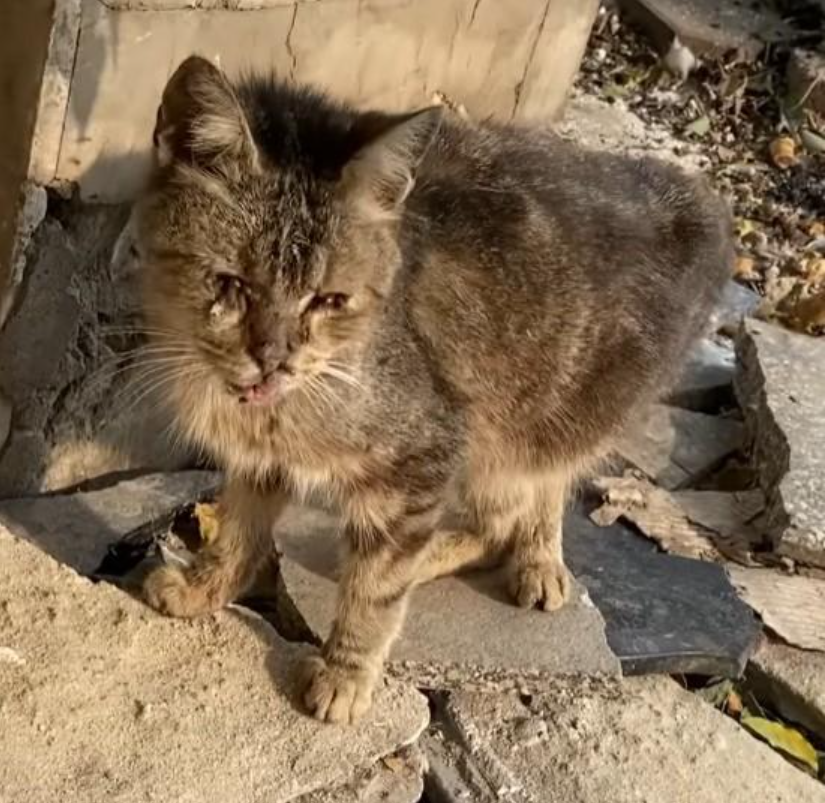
{"x":459,"y":316}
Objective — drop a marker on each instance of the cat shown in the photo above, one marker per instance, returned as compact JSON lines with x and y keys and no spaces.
{"x":438,"y":324}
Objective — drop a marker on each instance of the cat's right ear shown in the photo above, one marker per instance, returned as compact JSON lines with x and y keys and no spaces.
{"x":200,"y":121}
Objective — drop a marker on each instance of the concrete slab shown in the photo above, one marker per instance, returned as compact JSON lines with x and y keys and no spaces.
{"x":76,"y":529}
{"x":641,"y":740}
{"x":514,"y":62}
{"x":674,"y":446}
{"x":791,"y":682}
{"x":395,"y":779}
{"x":780,"y":385}
{"x":459,"y":630}
{"x":105,"y":700}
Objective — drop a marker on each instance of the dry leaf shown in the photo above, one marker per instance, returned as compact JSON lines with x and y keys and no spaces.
{"x":207,"y":516}
{"x":783,"y":738}
{"x":814,"y":270}
{"x":808,"y":314}
{"x":733,"y":704}
{"x":745,"y":268}
{"x":393,"y":763}
{"x":783,"y":152}
{"x":817,"y":229}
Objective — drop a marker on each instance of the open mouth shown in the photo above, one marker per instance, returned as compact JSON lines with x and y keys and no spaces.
{"x":265,"y":392}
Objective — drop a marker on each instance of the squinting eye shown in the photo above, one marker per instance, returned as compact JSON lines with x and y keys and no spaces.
{"x":228,"y":286}
{"x":329,"y":301}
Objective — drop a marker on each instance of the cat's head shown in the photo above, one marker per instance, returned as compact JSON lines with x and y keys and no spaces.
{"x":261,"y":274}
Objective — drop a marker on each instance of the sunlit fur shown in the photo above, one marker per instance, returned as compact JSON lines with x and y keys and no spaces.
{"x":506,"y":299}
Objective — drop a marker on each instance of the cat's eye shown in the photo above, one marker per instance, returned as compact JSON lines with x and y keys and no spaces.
{"x":227,"y":285}
{"x":329,"y":302}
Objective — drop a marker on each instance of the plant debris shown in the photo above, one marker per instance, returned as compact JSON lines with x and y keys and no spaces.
{"x":764,"y":148}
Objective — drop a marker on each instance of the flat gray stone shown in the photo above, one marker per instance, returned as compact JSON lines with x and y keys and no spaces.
{"x":77,"y":529}
{"x":639,"y":740}
{"x":781,"y":389}
{"x":104,"y":700}
{"x":674,"y":446}
{"x":706,"y":383}
{"x":459,"y":630}
{"x":792,"y":682}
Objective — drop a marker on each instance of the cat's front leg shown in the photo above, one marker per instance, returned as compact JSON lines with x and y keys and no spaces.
{"x":380,"y":569}
{"x":227,"y":565}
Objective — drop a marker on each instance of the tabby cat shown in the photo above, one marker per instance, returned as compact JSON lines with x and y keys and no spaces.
{"x":437,"y":324}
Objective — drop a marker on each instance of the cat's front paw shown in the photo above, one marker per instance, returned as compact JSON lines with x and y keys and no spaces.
{"x":544,"y":584}
{"x":334,"y":693}
{"x":168,"y":591}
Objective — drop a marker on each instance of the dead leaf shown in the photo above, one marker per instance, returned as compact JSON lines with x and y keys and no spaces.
{"x":744,"y":268}
{"x":783,"y":152}
{"x":817,"y":229}
{"x":716,"y":693}
{"x":813,"y":141}
{"x":733,"y":704}
{"x":783,"y":738}
{"x":792,"y":607}
{"x":207,"y":516}
{"x":808,"y":314}
{"x":814,"y":270}
{"x":699,"y":127}
{"x":393,"y":763}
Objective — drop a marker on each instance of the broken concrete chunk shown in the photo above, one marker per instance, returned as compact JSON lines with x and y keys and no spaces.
{"x":707,"y":27}
{"x":674,"y":447}
{"x":793,"y":607}
{"x":77,"y":529}
{"x":459,"y":630}
{"x":781,"y":389}
{"x":104,"y":699}
{"x":638,"y":740}
{"x":792,"y":683}
{"x":398,"y":778}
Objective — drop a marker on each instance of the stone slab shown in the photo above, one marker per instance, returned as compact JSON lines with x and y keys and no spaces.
{"x":103,"y":700}
{"x":780,"y":385}
{"x":517,"y":61}
{"x":674,"y":447}
{"x":664,"y":614}
{"x":792,"y":683}
{"x":706,"y":383}
{"x":640,"y":740}
{"x":708,"y":27}
{"x":458,"y":630}
{"x":76,"y":529}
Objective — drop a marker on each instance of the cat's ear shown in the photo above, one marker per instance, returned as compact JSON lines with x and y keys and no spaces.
{"x":200,"y":121}
{"x":381,"y":174}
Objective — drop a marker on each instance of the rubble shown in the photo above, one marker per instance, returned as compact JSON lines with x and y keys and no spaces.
{"x":780,"y":385}
{"x":643,"y":739}
{"x":792,"y":682}
{"x":104,"y":699}
{"x":792,"y":606}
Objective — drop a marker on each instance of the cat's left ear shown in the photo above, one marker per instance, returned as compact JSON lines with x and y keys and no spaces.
{"x":381,"y":174}
{"x":200,"y":120}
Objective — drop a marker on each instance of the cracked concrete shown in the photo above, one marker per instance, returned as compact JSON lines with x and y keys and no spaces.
{"x":102,"y":700}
